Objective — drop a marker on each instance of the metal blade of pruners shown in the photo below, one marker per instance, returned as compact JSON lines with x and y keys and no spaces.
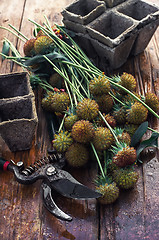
{"x":53,"y":179}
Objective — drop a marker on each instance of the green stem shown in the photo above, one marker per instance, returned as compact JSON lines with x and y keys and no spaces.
{"x":116,"y":99}
{"x":9,"y":30}
{"x":105,"y":161}
{"x":62,"y":122}
{"x":152,"y":130}
{"x":84,"y":90}
{"x":113,"y":133}
{"x":67,"y":88}
{"x":98,"y":160}
{"x":21,"y":34}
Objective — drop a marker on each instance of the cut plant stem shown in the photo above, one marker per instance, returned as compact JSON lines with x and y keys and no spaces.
{"x":9,"y":30}
{"x":112,"y":95}
{"x":105,"y":161}
{"x":152,"y":130}
{"x":21,"y":34}
{"x":62,"y":122}
{"x":110,"y":128}
{"x":98,"y":160}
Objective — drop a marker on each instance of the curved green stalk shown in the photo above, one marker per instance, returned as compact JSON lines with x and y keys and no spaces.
{"x":98,"y":160}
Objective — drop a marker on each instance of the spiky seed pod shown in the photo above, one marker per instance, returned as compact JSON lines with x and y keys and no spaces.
{"x":110,"y":193}
{"x":105,"y":103}
{"x":152,"y":101}
{"x":29,"y":47}
{"x":125,"y":179}
{"x":83,"y":131}
{"x":120,"y":115}
{"x":124,"y":156}
{"x":87,"y":109}
{"x":137,"y":114}
{"x":77,"y":155}
{"x":123,"y":136}
{"x":99,"y":86}
{"x":69,"y":121}
{"x":46,"y":102}
{"x":62,"y":141}
{"x":103,"y":138}
{"x":127,"y":81}
{"x":110,"y":119}
{"x":56,"y":102}
{"x":42,"y":44}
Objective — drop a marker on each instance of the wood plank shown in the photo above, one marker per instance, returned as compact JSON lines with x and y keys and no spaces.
{"x":9,"y":15}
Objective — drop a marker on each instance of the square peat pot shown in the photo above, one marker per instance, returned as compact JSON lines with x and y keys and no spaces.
{"x":83,"y":11}
{"x":111,"y":28}
{"x":115,"y":57}
{"x":143,"y":38}
{"x":147,"y":17}
{"x":14,"y":85}
{"x":18,"y":120}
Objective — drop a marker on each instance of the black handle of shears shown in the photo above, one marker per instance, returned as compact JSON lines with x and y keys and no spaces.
{"x":4,"y":164}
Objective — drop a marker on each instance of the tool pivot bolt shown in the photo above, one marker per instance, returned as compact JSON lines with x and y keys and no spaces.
{"x":50,"y":171}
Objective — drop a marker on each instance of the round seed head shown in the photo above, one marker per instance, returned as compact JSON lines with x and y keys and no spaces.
{"x":62,"y":141}
{"x":29,"y":47}
{"x":137,"y":113}
{"x":152,"y":101}
{"x":83,"y":131}
{"x":127,"y":81}
{"x":99,"y":86}
{"x":105,"y":103}
{"x":69,"y":121}
{"x":87,"y":109}
{"x":125,"y":179}
{"x":77,"y":155}
{"x":42,"y":44}
{"x":110,"y":193}
{"x":125,"y":156}
{"x":103,"y":138}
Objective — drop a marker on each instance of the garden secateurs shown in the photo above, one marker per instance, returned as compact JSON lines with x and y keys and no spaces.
{"x":49,"y":169}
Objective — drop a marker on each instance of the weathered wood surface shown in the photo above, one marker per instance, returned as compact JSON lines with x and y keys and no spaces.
{"x":22,"y":216}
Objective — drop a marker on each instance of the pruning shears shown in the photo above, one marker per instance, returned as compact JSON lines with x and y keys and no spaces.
{"x":49,"y":169}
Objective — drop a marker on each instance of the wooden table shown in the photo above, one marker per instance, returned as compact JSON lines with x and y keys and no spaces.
{"x":135,"y":215}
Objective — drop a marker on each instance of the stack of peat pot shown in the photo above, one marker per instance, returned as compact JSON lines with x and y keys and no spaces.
{"x":18,"y":117}
{"x":113,"y":30}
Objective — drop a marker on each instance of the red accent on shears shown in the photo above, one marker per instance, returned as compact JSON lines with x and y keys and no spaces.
{"x":5,"y":165}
